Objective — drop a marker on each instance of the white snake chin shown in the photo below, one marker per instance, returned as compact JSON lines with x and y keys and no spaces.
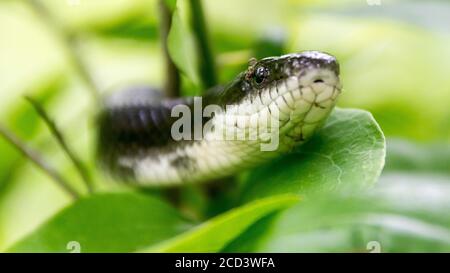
{"x":302,"y":104}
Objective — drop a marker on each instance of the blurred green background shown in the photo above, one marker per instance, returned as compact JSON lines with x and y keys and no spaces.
{"x":395,"y":62}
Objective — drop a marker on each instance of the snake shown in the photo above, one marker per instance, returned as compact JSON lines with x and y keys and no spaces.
{"x":136,"y":142}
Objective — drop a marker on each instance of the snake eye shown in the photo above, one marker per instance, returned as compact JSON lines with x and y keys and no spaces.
{"x":261,"y":74}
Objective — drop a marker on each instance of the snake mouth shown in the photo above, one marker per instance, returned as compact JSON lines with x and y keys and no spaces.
{"x":301,"y":103}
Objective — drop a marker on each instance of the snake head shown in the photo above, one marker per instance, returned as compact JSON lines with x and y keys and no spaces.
{"x":309,"y":67}
{"x":301,"y":88}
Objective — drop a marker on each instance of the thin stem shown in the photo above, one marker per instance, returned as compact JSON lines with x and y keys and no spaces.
{"x":172,"y":81}
{"x":71,"y":41}
{"x":206,"y":59}
{"x":37,"y":159}
{"x":82,"y":170}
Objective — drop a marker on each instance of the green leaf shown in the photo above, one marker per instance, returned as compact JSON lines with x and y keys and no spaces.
{"x":347,"y":153}
{"x":405,"y":155}
{"x":181,"y":44}
{"x":99,"y":15}
{"x":214,"y":234}
{"x":404,"y":213}
{"x":113,"y":222}
{"x":136,"y":28}
{"x":172,"y":4}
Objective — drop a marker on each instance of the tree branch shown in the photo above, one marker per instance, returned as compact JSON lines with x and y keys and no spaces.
{"x":38,"y":161}
{"x":82,"y":170}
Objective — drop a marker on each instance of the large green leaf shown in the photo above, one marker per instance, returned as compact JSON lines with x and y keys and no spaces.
{"x":214,"y":234}
{"x":405,"y":213}
{"x":114,"y":222}
{"x":348,"y":152}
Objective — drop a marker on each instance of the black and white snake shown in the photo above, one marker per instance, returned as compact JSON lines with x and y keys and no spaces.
{"x":136,"y":141}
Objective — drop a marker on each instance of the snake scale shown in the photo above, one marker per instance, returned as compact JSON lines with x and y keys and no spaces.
{"x":136,"y":142}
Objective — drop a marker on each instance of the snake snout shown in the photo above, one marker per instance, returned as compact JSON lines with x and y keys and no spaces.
{"x":312,"y":67}
{"x":316,"y":68}
{"x":320,"y":60}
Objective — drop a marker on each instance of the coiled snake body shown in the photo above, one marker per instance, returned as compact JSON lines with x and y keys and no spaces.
{"x":136,"y":139}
